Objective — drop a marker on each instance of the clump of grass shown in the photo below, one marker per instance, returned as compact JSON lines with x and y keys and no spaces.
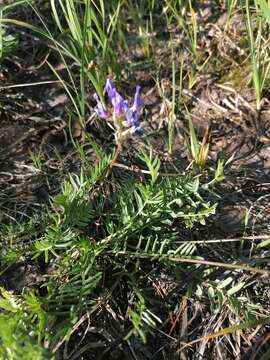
{"x":183,"y":12}
{"x":86,"y":38}
{"x":259,"y":51}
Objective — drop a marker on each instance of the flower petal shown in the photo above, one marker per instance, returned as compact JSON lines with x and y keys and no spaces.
{"x":114,"y":97}
{"x":117,"y":102}
{"x":132,"y":117}
{"x":138,"y":102}
{"x":110,"y":88}
{"x":99,"y":109}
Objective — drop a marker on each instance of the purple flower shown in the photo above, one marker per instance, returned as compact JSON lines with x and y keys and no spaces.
{"x":110,"y":88}
{"x":99,"y":109}
{"x":138,"y":102}
{"x":120,"y":106}
{"x":132,"y":117}
{"x":114,"y":97}
{"x":132,"y":113}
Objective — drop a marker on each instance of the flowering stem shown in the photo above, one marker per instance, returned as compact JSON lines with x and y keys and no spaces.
{"x":116,"y":154}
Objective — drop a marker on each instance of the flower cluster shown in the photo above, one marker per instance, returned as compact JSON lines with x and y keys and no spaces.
{"x":123,"y":115}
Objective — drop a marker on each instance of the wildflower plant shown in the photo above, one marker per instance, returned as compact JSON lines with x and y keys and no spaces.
{"x":124,"y":117}
{"x":87,"y":275}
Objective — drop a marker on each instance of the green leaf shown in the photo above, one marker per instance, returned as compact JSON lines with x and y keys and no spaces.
{"x":225,"y":283}
{"x":235,"y":289}
{"x":263,"y":244}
